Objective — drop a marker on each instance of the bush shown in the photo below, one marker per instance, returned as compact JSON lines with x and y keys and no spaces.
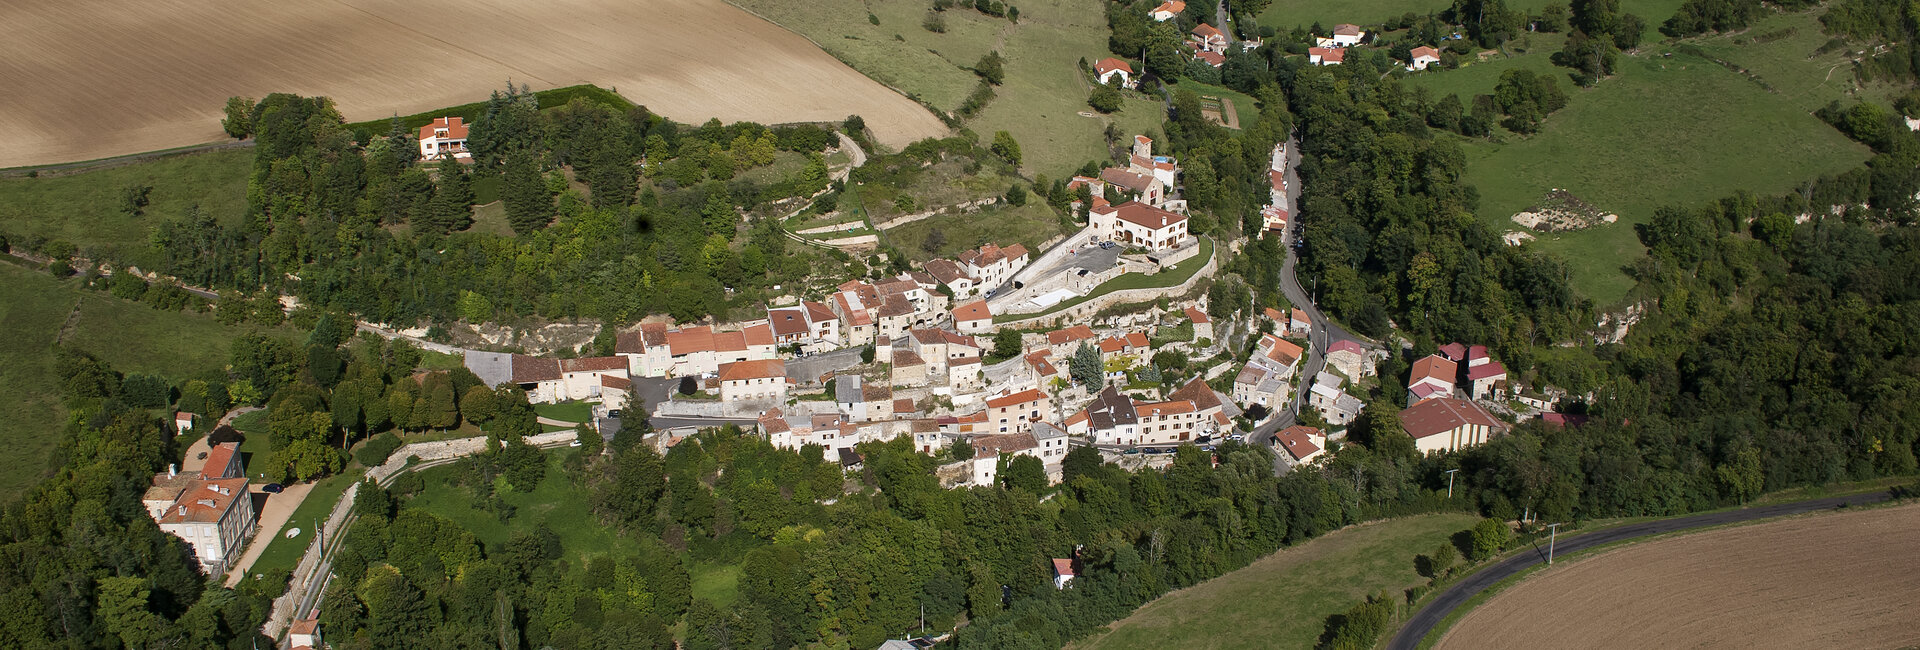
{"x":1105,"y":99}
{"x":375,"y":451}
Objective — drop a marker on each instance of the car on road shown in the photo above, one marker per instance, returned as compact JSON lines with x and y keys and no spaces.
{"x":613,"y":413}
{"x":1106,"y":245}
{"x":1130,"y":451}
{"x":272,"y":488}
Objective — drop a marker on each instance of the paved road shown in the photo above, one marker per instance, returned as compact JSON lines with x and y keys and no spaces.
{"x":1423,"y":622}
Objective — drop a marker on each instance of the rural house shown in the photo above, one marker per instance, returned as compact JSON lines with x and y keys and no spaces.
{"x":1447,"y":424}
{"x":444,"y":136}
{"x":1109,"y":68}
{"x":1432,"y":376}
{"x":973,"y":318}
{"x":213,"y":515}
{"x":1421,"y":57}
{"x":1326,"y":55}
{"x":1302,"y":443}
{"x":1206,"y":38}
{"x":1015,"y":413}
{"x":1168,"y":10}
{"x":1345,"y":35}
{"x":1137,"y":224}
{"x":1202,"y":326}
{"x":755,"y":381}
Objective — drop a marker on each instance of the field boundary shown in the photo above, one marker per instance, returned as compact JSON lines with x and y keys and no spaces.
{"x":81,"y":166}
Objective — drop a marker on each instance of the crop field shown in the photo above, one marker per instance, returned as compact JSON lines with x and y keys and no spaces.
{"x":96,"y":79}
{"x":1283,"y":600}
{"x":1667,"y":130}
{"x":1042,"y":97}
{"x":1844,"y":580}
{"x":35,"y":309}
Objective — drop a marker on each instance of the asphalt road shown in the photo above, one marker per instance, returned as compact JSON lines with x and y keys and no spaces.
{"x":1423,"y":622}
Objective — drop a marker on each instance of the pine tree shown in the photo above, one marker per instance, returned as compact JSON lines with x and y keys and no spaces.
{"x":441,"y":410}
{"x":529,"y":205}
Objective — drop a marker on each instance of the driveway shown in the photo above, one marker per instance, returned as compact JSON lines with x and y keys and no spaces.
{"x":272,"y":517}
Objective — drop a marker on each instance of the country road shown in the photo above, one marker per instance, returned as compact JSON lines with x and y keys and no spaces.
{"x":1417,"y":628}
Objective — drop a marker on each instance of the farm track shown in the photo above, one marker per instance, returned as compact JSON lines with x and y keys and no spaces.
{"x":102,"y":79}
{"x":1422,"y":623}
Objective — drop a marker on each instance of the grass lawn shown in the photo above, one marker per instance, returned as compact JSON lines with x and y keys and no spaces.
{"x":84,"y":208}
{"x":1247,"y":108}
{"x":1676,"y":130}
{"x":716,"y":583}
{"x":1044,"y":91}
{"x":133,"y":337}
{"x":1780,"y":49}
{"x":1284,"y":599}
{"x":565,"y":411}
{"x":1170,"y":277}
{"x":556,"y":502}
{"x":1028,"y":225}
{"x":283,"y":553}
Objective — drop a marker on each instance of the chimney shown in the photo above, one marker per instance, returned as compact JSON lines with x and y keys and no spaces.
{"x":183,"y":511}
{"x":204,"y":502}
{"x":172,"y":469}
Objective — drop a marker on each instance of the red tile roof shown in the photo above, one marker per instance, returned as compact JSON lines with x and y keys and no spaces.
{"x":1040,"y":363}
{"x":730,"y":341}
{"x":818,"y":312}
{"x":788,"y":321}
{"x":1069,"y":335}
{"x":1486,"y":370}
{"x":1022,"y":397}
{"x":761,"y":334}
{"x":1454,"y":351}
{"x":1423,"y":52}
{"x":1277,"y":179}
{"x":1346,"y":29}
{"x":1199,"y":393}
{"x":1300,"y":315}
{"x":1112,"y":344}
{"x":1283,"y":351}
{"x":1328,"y":54}
{"x":593,"y":364}
{"x":455,"y":126}
{"x":527,"y":370}
{"x":1198,"y":317}
{"x":973,"y":311}
{"x":1214,"y":59}
{"x":217,"y":460}
{"x":1174,"y":407}
{"x":1148,"y":216}
{"x":1298,"y":440}
{"x":1344,"y":345}
{"x":1111,"y":64}
{"x":1171,"y":6}
{"x":689,"y":340}
{"x":205,"y":500}
{"x":1442,"y":414}
{"x":743,"y":370}
{"x":616,"y":382}
{"x":1014,"y":252}
{"x":990,"y":446}
{"x":1126,"y":179}
{"x":1207,"y":31}
{"x":1434,"y":366}
{"x":903,"y":405}
{"x":1062,"y":567}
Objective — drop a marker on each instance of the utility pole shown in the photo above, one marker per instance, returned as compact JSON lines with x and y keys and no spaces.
{"x":1553,"y":531}
{"x":1450,"y":482}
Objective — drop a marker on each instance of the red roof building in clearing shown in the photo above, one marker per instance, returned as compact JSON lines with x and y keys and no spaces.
{"x":1208,"y":38}
{"x":1326,"y":55}
{"x":1108,"y":68}
{"x":444,"y":136}
{"x":1300,"y":442}
{"x":1168,"y":10}
{"x":1446,"y":424}
{"x":1214,"y":59}
{"x":1198,"y":317}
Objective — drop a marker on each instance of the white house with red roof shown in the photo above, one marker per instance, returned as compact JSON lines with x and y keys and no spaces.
{"x":1301,"y":443}
{"x":753,"y":381}
{"x":1214,"y":59}
{"x":1421,"y":57}
{"x":1326,"y":55}
{"x":1167,"y":10}
{"x":1063,"y":573}
{"x":1207,"y":38}
{"x":1447,"y":424}
{"x":973,"y":318}
{"x":1110,"y":68}
{"x":991,"y":265}
{"x":182,"y":421}
{"x":1137,"y":224}
{"x":1298,"y":323}
{"x":1014,"y":413}
{"x":1345,"y":35}
{"x":213,"y":515}
{"x":444,"y":136}
{"x":1432,"y":376}
{"x":1487,"y":380}
{"x":1162,"y":168}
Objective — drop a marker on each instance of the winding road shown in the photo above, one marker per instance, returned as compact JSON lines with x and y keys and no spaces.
{"x":1424,"y":621}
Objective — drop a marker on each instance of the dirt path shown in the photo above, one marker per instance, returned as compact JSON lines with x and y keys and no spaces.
{"x":273,"y":517}
{"x":1845,"y":580}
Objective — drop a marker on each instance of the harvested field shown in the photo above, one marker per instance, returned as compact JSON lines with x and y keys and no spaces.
{"x":1846,"y":580}
{"x":96,"y":79}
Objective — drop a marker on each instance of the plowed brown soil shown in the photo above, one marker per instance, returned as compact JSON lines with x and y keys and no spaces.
{"x":87,"y":79}
{"x":1845,"y":580}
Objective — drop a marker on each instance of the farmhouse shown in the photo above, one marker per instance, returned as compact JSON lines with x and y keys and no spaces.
{"x":1137,"y":224}
{"x":1206,"y":38}
{"x":1346,"y":35}
{"x":1447,"y":424}
{"x":444,"y":136}
{"x":1326,"y":55}
{"x":1168,"y":10}
{"x":1421,"y":57}
{"x":1109,"y":68}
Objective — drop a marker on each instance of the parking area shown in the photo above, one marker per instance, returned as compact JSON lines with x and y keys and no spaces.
{"x":1052,"y":273}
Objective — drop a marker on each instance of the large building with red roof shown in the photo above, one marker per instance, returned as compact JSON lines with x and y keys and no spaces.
{"x":1137,"y":224}
{"x":1447,"y":424}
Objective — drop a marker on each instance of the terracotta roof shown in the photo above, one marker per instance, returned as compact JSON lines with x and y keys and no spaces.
{"x":1563,"y":419}
{"x":203,"y":501}
{"x":304,"y":627}
{"x":988,"y":446}
{"x":1300,"y":315}
{"x":1476,"y":352}
{"x":1171,"y":6}
{"x":896,"y":305}
{"x":1148,"y":216}
{"x":730,"y":341}
{"x":1062,"y":567}
{"x":903,"y":405}
{"x":1277,"y":179}
{"x":1112,"y":344}
{"x":455,"y":126}
{"x":593,"y":364}
{"x":1040,"y":363}
{"x":527,"y":370}
{"x":1346,"y":29}
{"x":787,"y":321}
{"x":1442,"y":414}
{"x":876,"y":393}
{"x":1207,"y":31}
{"x":1069,"y":335}
{"x":1486,"y":370}
{"x":907,"y":358}
{"x":742,"y":370}
{"x":1110,"y":64}
{"x":896,"y":287}
{"x":973,"y":311}
{"x":616,"y":382}
{"x":1434,"y":366}
{"x":1198,"y":317}
{"x":962,"y":361}
{"x":1014,"y":252}
{"x":1198,"y":393}
{"x":1344,"y":345}
{"x":1281,"y":350}
{"x":217,"y":460}
{"x":182,"y":415}
{"x":1138,"y":340}
{"x":1271,"y":314}
{"x":761,"y":334}
{"x":946,"y":271}
{"x":1126,"y":179}
{"x":1214,"y":59}
{"x":1328,"y":54}
{"x":1425,"y":390}
{"x":1081,"y":180}
{"x":1172,"y":407}
{"x":1454,"y":351}
{"x":1022,"y":397}
{"x":690,"y":340}
{"x":817,"y":312}
{"x":771,"y":422}
{"x":1298,"y":441}
{"x":1423,"y":52}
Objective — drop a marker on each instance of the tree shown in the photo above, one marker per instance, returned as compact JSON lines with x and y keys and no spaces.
{"x":1006,"y":344}
{"x":1017,"y":195}
{"x":529,"y":205}
{"x":476,"y":405}
{"x":866,"y":354}
{"x":1080,"y":461}
{"x":991,"y":68}
{"x":1553,"y":18}
{"x":962,"y":450}
{"x":1488,"y":538}
{"x":1086,"y":368}
{"x":934,"y":240}
{"x":1006,"y":148}
{"x":123,"y":611}
{"x":239,"y":120}
{"x":1105,"y":99}
{"x":1024,"y":472}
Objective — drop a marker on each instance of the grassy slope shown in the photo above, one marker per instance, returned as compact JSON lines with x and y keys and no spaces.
{"x":1044,"y":91}
{"x":1283,"y":600}
{"x":563,"y":506}
{"x":284,"y":553}
{"x":1673,"y":130}
{"x":1029,"y":224}
{"x":84,"y":208}
{"x":131,"y":336}
{"x":1286,"y":14}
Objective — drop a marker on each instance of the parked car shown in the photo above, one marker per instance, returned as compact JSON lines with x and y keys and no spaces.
{"x":272,"y":488}
{"x":1237,"y":437}
{"x":1130,"y":451}
{"x":614,"y":413}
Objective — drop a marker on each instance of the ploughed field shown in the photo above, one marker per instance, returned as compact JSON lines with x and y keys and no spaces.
{"x":108,"y":77}
{"x":1845,"y":580}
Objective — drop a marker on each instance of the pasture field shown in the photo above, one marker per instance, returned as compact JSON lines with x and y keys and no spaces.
{"x":1044,"y":91}
{"x":84,"y":208}
{"x":90,"y":80}
{"x":1283,"y":600}
{"x":1667,"y":130}
{"x":1030,"y":225}
{"x":34,"y":308}
{"x":1847,"y":579}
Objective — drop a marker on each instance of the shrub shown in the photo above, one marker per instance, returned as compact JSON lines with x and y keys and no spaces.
{"x":375,"y":451}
